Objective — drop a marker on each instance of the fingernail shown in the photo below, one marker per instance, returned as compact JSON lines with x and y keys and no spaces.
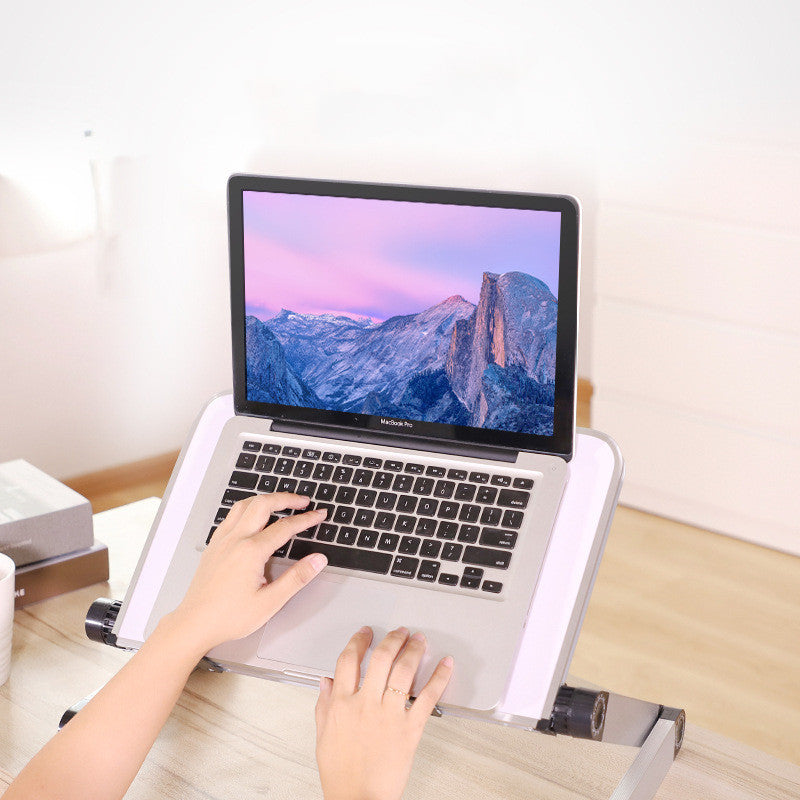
{"x":447,"y":661}
{"x":323,"y":512}
{"x":365,"y":629}
{"x":419,"y":636}
{"x":317,"y":561}
{"x":402,"y":630}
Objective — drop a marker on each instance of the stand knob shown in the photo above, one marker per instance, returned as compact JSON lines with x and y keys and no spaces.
{"x":100,"y":619}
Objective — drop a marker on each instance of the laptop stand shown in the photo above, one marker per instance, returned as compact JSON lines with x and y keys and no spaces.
{"x":537,"y":697}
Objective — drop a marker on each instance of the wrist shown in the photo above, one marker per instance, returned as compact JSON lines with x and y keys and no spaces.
{"x":182,"y":634}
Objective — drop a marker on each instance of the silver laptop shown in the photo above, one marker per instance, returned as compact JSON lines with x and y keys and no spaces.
{"x":405,"y":356}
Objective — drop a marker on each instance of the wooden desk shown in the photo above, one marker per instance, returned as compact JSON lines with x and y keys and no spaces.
{"x":237,"y":737}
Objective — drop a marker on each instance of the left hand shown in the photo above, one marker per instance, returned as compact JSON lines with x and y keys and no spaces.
{"x":229,"y":597}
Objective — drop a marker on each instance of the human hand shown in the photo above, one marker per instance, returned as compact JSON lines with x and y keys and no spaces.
{"x":229,"y":597}
{"x":366,"y":737}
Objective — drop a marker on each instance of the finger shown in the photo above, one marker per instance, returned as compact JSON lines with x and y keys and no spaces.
{"x":256,"y":516}
{"x":348,"y":665}
{"x":433,"y":690}
{"x":233,"y":516}
{"x":405,"y":667}
{"x":383,"y":656}
{"x":323,"y":701}
{"x":279,"y":532}
{"x":275,"y":595}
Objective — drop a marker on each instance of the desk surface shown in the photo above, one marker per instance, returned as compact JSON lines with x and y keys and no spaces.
{"x":231,"y":736}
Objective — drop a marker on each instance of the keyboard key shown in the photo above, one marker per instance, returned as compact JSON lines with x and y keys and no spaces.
{"x":210,"y":534}
{"x":366,"y":498}
{"x":427,"y":507}
{"x":303,"y":469}
{"x":347,"y":535}
{"x":243,"y":480}
{"x":512,"y":519}
{"x":388,"y":541}
{"x":367,"y":538}
{"x":523,"y":483}
{"x":382,"y":480}
{"x":494,"y":537}
{"x":479,"y":477}
{"x":468,"y":534}
{"x":246,"y":461}
{"x":342,"y":474}
{"x":325,"y":491}
{"x":351,"y":557}
{"x":284,"y":466}
{"x":426,"y":526}
{"x":409,"y":545}
{"x":501,"y":480}
{"x":403,"y":483}
{"x":384,"y":521}
{"x":265,"y":463}
{"x":254,"y":447}
{"x":446,"y":530}
{"x":486,"y":494}
{"x":457,"y":474}
{"x":465,"y":491}
{"x":444,"y":489}
{"x":447,"y":579}
{"x":306,"y":488}
{"x":490,"y":516}
{"x":373,"y":463}
{"x":363,"y":477}
{"x":267,"y":483}
{"x":232,"y":496}
{"x":448,"y":509}
{"x":351,"y":461}
{"x":405,"y":524}
{"x":326,"y":532}
{"x":311,"y":455}
{"x":291,"y":452}
{"x":492,"y":586}
{"x":393,"y":466}
{"x":343,"y":515}
{"x":436,"y":472}
{"x":405,"y":567}
{"x":468,"y":582}
{"x":451,"y":551}
{"x":512,"y":498}
{"x":272,"y":449}
{"x":406,"y":503}
{"x":282,"y":551}
{"x":423,"y":486}
{"x":415,"y":469}
{"x":221,"y":514}
{"x":364,"y":516}
{"x":430,"y":548}
{"x":386,"y":501}
{"x":428,"y":570}
{"x":332,"y":458}
{"x":345,"y":494}
{"x":484,"y":557}
{"x":286,"y":485}
{"x":322,"y":472}
{"x":469,"y":513}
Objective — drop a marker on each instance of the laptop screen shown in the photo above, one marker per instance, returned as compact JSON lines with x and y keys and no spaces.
{"x":434,"y":313}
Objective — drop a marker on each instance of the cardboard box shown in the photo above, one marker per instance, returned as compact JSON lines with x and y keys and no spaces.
{"x":40,"y":517}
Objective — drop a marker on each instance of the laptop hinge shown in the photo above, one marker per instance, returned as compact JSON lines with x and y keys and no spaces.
{"x":470,"y":450}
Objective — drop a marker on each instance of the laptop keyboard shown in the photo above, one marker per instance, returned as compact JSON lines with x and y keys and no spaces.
{"x":427,"y":524}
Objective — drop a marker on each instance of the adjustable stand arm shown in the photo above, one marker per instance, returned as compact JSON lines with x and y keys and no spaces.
{"x":607,"y":717}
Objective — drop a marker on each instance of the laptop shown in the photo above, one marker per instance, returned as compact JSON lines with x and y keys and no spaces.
{"x":405,"y":356}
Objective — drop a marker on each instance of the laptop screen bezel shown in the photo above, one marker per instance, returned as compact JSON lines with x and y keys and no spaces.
{"x":561,"y":441}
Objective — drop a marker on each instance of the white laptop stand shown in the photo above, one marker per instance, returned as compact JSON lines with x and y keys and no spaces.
{"x":537,"y":696}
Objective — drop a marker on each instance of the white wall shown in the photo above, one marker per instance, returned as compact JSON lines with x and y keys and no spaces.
{"x":111,"y":344}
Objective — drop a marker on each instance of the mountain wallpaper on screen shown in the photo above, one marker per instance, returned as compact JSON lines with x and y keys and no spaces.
{"x":487,"y":366}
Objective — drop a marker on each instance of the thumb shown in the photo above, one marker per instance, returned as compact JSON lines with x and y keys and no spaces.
{"x":283,"y":588}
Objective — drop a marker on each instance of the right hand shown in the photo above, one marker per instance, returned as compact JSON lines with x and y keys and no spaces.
{"x":366,"y":737}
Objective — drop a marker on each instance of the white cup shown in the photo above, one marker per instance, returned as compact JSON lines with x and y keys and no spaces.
{"x":7,"y":568}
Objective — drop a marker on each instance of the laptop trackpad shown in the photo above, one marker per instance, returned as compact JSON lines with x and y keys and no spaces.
{"x":313,"y":628}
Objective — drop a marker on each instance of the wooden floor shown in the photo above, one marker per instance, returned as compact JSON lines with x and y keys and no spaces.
{"x":679,"y":616}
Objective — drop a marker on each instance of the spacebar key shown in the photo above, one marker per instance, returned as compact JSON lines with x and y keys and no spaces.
{"x":348,"y":557}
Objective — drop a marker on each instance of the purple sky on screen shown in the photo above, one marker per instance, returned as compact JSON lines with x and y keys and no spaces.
{"x":379,"y":258}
